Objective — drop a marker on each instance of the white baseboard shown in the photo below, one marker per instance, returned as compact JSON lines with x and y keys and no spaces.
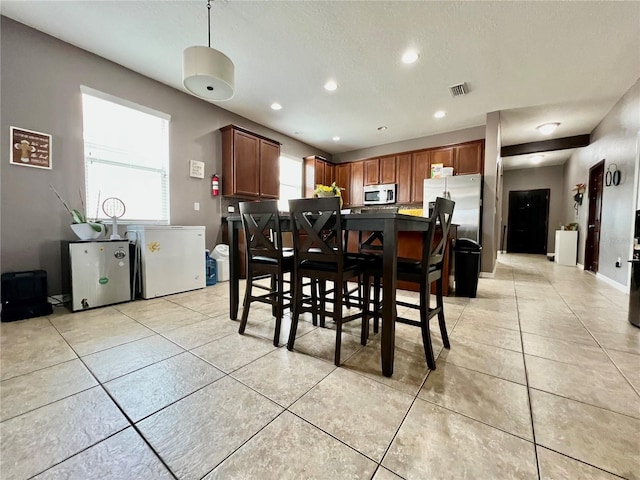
{"x":489,"y":274}
{"x":580,"y":266}
{"x":613,"y":283}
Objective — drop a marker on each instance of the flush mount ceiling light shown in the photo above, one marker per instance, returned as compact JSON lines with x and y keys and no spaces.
{"x":330,"y":86}
{"x":410,"y":56}
{"x":536,"y":159}
{"x":336,"y":139}
{"x":547,"y":128}
{"x":276,"y":106}
{"x":206,"y":72}
{"x":440,"y":114}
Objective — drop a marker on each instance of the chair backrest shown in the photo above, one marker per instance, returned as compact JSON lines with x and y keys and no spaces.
{"x":261,"y":224}
{"x":374,"y":241}
{"x":433,"y":252}
{"x":317,"y":230}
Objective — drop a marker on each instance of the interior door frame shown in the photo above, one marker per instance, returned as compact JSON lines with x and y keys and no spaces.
{"x":592,"y":255}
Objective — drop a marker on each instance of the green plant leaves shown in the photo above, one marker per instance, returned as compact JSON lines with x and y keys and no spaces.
{"x":78,"y":217}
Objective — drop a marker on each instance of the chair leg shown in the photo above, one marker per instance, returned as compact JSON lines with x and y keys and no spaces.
{"x":279,"y":298}
{"x":338,"y":318}
{"x":246,"y":306}
{"x":441,"y":322}
{"x":376,"y":303}
{"x":424,"y":325}
{"x":345,"y":292}
{"x":314,"y":302}
{"x":273,"y":289}
{"x":364,"y":305}
{"x":297,"y":304}
{"x":321,"y":302}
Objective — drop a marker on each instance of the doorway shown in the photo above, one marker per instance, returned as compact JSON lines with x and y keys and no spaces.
{"x":528,"y":221}
{"x":592,"y":246}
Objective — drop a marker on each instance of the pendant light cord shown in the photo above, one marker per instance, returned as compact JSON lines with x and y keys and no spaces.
{"x":209,"y":20}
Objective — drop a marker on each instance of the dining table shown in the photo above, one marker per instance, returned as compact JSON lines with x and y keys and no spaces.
{"x":388,"y":224}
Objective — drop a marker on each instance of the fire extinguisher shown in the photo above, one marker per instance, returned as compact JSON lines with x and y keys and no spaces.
{"x":215,"y":185}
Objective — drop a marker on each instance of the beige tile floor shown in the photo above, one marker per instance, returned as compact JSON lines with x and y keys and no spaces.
{"x":542,"y":382}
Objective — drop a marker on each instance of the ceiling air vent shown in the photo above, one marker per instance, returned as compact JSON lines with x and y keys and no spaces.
{"x":459,"y":90}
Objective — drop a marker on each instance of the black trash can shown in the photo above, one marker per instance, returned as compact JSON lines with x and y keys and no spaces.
{"x":467,"y":264}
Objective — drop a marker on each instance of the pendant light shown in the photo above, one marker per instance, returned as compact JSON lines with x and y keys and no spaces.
{"x":207,"y":72}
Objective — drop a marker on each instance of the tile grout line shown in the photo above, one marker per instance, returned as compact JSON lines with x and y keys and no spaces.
{"x":132,"y":424}
{"x":526,"y":377}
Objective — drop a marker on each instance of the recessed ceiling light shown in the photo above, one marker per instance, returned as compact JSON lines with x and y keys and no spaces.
{"x":440,"y":114}
{"x":276,"y":106}
{"x":410,"y":56}
{"x":382,"y":128}
{"x":536,"y":159}
{"x":330,"y":85}
{"x":298,"y":132}
{"x":336,"y":139}
{"x":547,"y":128}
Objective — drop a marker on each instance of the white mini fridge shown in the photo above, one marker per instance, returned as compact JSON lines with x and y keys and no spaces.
{"x":99,"y":273}
{"x":171,"y":258}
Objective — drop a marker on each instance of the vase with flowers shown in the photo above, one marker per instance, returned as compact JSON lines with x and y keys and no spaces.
{"x":329,"y":191}
{"x":84,"y":228}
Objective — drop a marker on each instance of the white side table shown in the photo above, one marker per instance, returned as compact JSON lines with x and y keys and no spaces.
{"x":566,"y":247}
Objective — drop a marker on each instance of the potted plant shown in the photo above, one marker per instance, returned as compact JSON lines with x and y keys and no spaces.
{"x":329,"y":191}
{"x":85,"y":229}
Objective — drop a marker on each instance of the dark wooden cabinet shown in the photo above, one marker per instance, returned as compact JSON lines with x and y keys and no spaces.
{"x":469,"y":158}
{"x":343,"y":180}
{"x":420,"y":169}
{"x":269,"y":169}
{"x":250,"y":164}
{"x":317,"y":171}
{"x":372,"y":171}
{"x":403,"y":178}
{"x":443,"y":156}
{"x":388,"y":169}
{"x":356,"y":196}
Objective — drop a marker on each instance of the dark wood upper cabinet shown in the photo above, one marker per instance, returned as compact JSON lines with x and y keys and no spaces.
{"x":319,"y":172}
{"x":420,"y":169}
{"x":356,"y":196}
{"x":403,"y":176}
{"x":250,"y":164}
{"x":443,"y":156}
{"x":388,"y":169}
{"x":329,"y":173}
{"x":343,"y":180}
{"x":372,"y":171}
{"x":469,"y":158}
{"x":269,"y":169}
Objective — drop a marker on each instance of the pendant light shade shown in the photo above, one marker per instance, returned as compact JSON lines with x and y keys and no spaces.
{"x":207,"y":72}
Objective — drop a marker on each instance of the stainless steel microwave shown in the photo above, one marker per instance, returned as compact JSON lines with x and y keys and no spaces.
{"x":380,"y":194}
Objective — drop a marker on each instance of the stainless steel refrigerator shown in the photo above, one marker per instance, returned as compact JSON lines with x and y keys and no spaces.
{"x":466,"y":191}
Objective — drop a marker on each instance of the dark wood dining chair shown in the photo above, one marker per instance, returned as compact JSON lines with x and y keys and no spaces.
{"x":265,"y":257}
{"x":319,"y":255}
{"x":424,"y":272}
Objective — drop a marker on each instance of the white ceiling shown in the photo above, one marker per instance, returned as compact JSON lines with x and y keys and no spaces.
{"x":535,"y":62}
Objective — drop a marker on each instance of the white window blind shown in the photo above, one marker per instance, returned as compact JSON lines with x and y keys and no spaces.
{"x":126,"y":153}
{"x":290,"y":181}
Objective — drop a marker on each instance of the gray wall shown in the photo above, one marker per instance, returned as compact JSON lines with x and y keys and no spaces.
{"x":491,"y":194}
{"x":533,"y":179}
{"x":40,"y":90}
{"x":615,"y":140}
{"x":449,"y":138}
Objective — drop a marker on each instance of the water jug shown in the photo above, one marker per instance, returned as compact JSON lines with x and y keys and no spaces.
{"x":211,"y":269}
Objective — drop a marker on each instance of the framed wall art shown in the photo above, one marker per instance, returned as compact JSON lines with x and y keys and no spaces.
{"x":29,"y":148}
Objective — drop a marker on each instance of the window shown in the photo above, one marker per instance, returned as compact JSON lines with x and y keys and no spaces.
{"x":126,"y":155}
{"x":290,"y":181}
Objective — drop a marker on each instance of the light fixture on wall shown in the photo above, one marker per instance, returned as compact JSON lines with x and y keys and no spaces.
{"x":207,"y":72}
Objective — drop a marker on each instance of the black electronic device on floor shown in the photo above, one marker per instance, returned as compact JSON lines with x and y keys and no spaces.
{"x":24,"y":295}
